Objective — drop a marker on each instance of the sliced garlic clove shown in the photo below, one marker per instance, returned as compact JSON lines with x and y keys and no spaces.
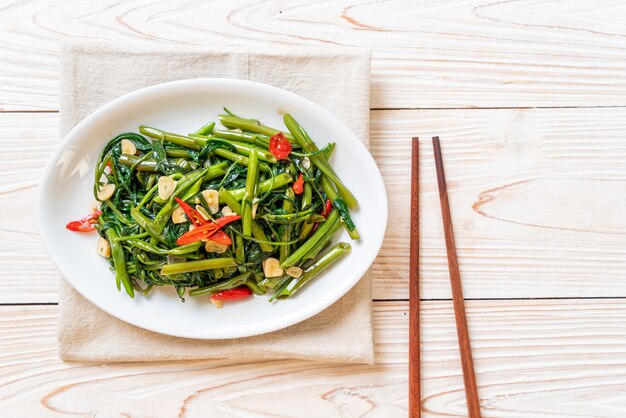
{"x":271,"y":267}
{"x":103,"y":248}
{"x":215,"y":247}
{"x":306,"y":162}
{"x":227,"y":211}
{"x":212,"y":198}
{"x":191,"y":227}
{"x":166,"y":186}
{"x":202,"y":212}
{"x":294,"y":272}
{"x":128,"y":147}
{"x":178,"y":216}
{"x":106,"y":191}
{"x":217,"y":303}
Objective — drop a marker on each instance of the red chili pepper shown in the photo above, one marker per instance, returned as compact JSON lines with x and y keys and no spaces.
{"x":298,"y":185}
{"x":221,"y":237}
{"x":193,"y":215}
{"x":77,"y":226}
{"x":197,"y":234}
{"x":84,"y":224}
{"x":327,"y":208}
{"x":280,"y":146}
{"x":205,"y":231}
{"x":232,"y":294}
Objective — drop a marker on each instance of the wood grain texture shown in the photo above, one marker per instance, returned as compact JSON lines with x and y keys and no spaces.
{"x":538,"y":198}
{"x":533,"y":359}
{"x":26,"y":272}
{"x":425,"y":54}
{"x":465,"y":348}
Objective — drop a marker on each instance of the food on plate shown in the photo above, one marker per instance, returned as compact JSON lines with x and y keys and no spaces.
{"x":225,"y":213}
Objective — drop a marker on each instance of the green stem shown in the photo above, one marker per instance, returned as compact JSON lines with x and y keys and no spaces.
{"x":130,"y":237}
{"x":327,"y":260}
{"x":229,"y":155}
{"x":257,"y":232}
{"x":240,"y":148}
{"x":271,"y":282}
{"x":340,"y":206}
{"x":146,"y":224}
{"x":319,"y":160}
{"x":218,"y":287}
{"x":250,"y":126}
{"x":239,"y":249}
{"x":177,"y":153}
{"x":238,"y":158}
{"x":132,"y":160}
{"x":206,"y":129}
{"x":264,"y":186}
{"x":288,"y":206}
{"x":120,"y":216}
{"x":152,"y":180}
{"x":287,"y":218}
{"x":305,"y":203}
{"x":263,"y":155}
{"x":119,"y":262}
{"x":323,"y":241}
{"x":192,"y":191}
{"x":307,"y":196}
{"x":306,"y":229}
{"x":216,"y":170}
{"x":177,"y":139}
{"x":256,"y":289}
{"x":321,"y":232}
{"x":198,"y":265}
{"x":248,"y":198}
{"x":183,"y":163}
{"x":280,"y":286}
{"x":183,"y":249}
{"x":242,"y":137}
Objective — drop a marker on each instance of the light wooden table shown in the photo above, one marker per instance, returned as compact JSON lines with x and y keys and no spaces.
{"x":529,"y":99}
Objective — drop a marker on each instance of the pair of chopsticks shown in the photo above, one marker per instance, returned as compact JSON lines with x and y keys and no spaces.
{"x":467,"y":363}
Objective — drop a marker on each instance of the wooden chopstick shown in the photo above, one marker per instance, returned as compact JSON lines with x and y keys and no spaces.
{"x":415,"y":400}
{"x":467,"y":364}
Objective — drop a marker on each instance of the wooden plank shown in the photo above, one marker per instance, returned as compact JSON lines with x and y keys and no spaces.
{"x":537,"y":201}
{"x":533,"y":358}
{"x":26,"y":143}
{"x":425,"y":54}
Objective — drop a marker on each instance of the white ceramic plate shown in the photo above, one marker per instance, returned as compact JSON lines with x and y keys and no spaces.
{"x":183,"y":106}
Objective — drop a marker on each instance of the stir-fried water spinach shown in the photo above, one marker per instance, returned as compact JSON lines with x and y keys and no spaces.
{"x":226,"y":213}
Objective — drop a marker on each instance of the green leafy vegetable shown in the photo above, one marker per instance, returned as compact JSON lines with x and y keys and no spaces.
{"x":217,"y":173}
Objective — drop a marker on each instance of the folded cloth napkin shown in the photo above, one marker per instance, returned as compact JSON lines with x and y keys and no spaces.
{"x":338,"y":79}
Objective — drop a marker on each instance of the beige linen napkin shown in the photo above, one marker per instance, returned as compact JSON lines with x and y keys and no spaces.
{"x":338,"y":79}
